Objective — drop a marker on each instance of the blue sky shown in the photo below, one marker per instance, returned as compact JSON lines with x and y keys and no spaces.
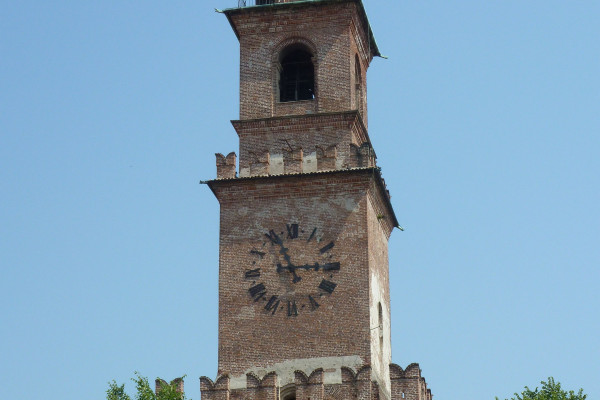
{"x":486,"y":122}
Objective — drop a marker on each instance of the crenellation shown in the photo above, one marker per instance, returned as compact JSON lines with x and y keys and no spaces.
{"x":293,"y":161}
{"x":360,"y":385}
{"x":327,"y":158}
{"x":221,"y":383}
{"x":408,"y":383}
{"x":260,"y":163}
{"x":226,"y":165}
{"x":310,"y":387}
{"x":258,"y":389}
{"x":362,"y":156}
{"x":309,"y":133}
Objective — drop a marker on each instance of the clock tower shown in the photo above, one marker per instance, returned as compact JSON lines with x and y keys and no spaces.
{"x":304,"y":302}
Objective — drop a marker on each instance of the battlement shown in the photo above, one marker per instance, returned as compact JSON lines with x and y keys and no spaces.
{"x":358,"y":384}
{"x":408,"y":383}
{"x":161,"y":384}
{"x":294,"y":161}
{"x":354,"y":385}
{"x":303,"y":143}
{"x":226,"y":165}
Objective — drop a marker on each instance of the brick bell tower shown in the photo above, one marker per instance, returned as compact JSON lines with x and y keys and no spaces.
{"x":304,"y":302}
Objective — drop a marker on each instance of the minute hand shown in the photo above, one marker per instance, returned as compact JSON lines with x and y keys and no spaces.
{"x":317,"y":267}
{"x":283,"y":251}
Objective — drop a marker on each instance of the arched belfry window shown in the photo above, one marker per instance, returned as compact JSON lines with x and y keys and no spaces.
{"x":297,"y":75}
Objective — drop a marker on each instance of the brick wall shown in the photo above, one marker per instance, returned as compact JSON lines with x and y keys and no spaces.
{"x":336,"y":206}
{"x":332,"y":31}
{"x":341,"y":206}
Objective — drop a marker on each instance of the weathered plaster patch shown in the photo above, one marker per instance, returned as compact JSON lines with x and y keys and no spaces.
{"x":276,"y":167}
{"x":309,"y":163}
{"x":339,"y":162}
{"x":244,"y":172}
{"x":347,"y":203}
{"x":246,"y":312}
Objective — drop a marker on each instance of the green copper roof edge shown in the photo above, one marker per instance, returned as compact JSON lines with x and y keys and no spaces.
{"x":374,"y":49}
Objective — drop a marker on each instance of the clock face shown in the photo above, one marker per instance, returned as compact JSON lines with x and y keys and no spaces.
{"x":292,"y":270}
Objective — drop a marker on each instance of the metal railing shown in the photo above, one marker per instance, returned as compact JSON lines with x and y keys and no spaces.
{"x":250,"y":3}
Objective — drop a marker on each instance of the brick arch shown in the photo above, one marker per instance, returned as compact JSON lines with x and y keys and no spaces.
{"x":294,"y":40}
{"x":287,"y":391}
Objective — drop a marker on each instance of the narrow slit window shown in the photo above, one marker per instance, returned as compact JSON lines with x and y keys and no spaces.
{"x":380,"y":328}
{"x":358,"y":96}
{"x":297,"y":79}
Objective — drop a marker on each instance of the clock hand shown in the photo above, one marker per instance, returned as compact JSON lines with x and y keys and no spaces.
{"x":286,"y":256}
{"x":291,"y":268}
{"x":283,"y":251}
{"x":296,"y":277}
{"x":316,"y":267}
{"x":275,"y":239}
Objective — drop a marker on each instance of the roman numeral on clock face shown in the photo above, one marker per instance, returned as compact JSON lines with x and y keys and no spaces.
{"x":260,"y":254}
{"x":313,"y":303}
{"x":253,"y":273}
{"x":258,"y":291}
{"x":331,"y":266}
{"x":273,"y":304}
{"x":328,"y":247}
{"x":292,"y":309}
{"x":327,"y":286}
{"x":312,"y":235}
{"x":273,"y":237}
{"x":292,"y":231}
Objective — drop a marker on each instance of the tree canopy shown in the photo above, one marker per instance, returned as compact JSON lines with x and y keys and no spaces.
{"x":167,"y":391}
{"x":551,"y":390}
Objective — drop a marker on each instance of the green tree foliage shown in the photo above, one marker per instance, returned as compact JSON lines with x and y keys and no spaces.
{"x":167,"y":391}
{"x":550,"y":390}
{"x":116,"y":392}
